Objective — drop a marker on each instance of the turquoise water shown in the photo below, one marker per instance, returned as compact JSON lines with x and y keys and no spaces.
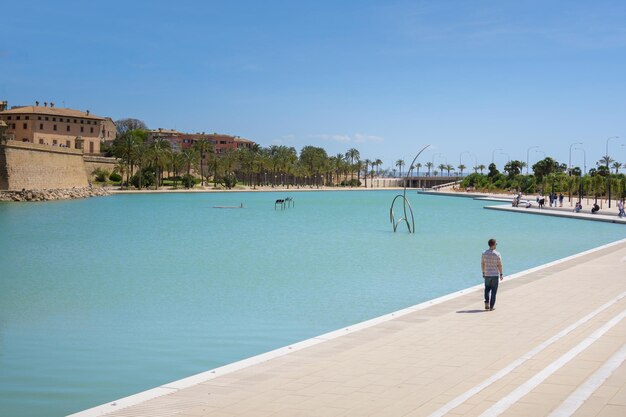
{"x":104,"y":297}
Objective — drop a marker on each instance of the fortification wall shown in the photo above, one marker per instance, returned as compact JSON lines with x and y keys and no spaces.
{"x":94,"y":162}
{"x":31,"y":166}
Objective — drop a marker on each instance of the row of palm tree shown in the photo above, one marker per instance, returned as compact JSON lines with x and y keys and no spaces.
{"x":254,"y":166}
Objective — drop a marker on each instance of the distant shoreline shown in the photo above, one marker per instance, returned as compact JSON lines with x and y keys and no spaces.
{"x":245,"y":190}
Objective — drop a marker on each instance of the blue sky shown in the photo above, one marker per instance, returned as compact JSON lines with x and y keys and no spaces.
{"x":385,"y":77}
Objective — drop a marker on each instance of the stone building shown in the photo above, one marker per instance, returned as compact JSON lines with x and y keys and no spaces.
{"x":220,"y":142}
{"x":54,"y":126}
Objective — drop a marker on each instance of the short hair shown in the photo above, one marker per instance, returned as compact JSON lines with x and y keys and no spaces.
{"x":491,"y":242}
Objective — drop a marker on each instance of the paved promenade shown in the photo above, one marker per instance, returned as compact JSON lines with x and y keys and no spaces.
{"x":555,"y":345}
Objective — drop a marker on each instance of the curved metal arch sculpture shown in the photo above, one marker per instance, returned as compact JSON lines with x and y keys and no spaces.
{"x":405,"y":202}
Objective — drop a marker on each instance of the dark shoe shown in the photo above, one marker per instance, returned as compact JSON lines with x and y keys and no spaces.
{"x":486,"y":306}
{"x":491,"y":308}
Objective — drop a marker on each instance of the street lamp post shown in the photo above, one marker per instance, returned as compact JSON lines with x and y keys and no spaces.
{"x":527,"y":155}
{"x":584,"y":159}
{"x":607,"y":149}
{"x":608,"y":177}
{"x":569,"y":166}
{"x":493,"y":153}
{"x":461,"y":155}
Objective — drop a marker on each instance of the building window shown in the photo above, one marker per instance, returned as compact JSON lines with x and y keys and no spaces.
{"x":68,"y":128}
{"x":46,"y":118}
{"x":40,"y":126}
{"x":82,"y":121}
{"x":82,"y":129}
{"x":91,"y":130}
{"x":54,"y":119}
{"x":67,"y":120}
{"x":25,"y":125}
{"x":67,"y":144}
{"x":17,"y":117}
{"x":8,"y":117}
{"x":13,"y":126}
{"x":38,"y":117}
{"x":41,"y":141}
{"x":54,"y":142}
{"x":27,"y":117}
{"x":74,"y":120}
{"x":54,"y":127}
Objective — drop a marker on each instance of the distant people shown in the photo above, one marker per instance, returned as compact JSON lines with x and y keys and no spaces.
{"x":595,"y":208}
{"x":561,"y":200}
{"x":542,"y":201}
{"x":528,"y":205}
{"x":620,"y":207}
{"x":578,"y":207}
{"x":491,"y":265}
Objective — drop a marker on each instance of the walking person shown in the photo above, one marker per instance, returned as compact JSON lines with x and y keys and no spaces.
{"x":620,"y":207}
{"x":491,"y":265}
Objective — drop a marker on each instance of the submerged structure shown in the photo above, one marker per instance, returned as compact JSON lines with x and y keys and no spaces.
{"x":405,"y":202}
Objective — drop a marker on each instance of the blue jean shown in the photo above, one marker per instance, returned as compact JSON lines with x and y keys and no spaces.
{"x":491,"y":286}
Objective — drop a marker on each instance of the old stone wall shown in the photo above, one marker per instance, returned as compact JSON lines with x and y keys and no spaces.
{"x":31,"y":166}
{"x":94,"y":162}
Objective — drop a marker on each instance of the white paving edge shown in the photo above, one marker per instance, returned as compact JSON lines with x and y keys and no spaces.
{"x":202,"y":377}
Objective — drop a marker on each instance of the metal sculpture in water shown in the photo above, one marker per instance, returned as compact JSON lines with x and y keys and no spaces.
{"x":405,"y":202}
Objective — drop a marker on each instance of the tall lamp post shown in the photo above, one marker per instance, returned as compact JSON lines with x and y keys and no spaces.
{"x":584,"y":159}
{"x":527,"y":154}
{"x":461,"y":156}
{"x":569,"y":165}
{"x":608,"y":177}
{"x":494,"y":152}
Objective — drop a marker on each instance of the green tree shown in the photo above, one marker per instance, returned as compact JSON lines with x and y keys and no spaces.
{"x":461,"y":168}
{"x":203,"y":147}
{"x":400,"y":164}
{"x":514,"y":168}
{"x":493,"y":171}
{"x":429,"y":166}
{"x":616,"y":166}
{"x":547,"y":166}
{"x":189,"y":157}
{"x":352,"y":155}
{"x":159,"y":151}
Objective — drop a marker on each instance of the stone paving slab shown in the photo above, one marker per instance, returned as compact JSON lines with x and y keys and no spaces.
{"x":560,"y":212}
{"x":428,"y":359}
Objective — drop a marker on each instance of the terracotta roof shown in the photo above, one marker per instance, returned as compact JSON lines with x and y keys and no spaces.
{"x":243,"y":140}
{"x":53,"y":111}
{"x":167,"y":131}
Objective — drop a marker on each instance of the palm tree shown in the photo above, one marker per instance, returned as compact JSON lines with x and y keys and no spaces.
{"x":442,"y":167}
{"x":605,"y":160}
{"x":418,"y":166}
{"x":366,"y":166}
{"x":481,"y":167}
{"x":461,"y":168}
{"x":617,"y":166}
{"x":400,"y":164}
{"x":352,"y":155}
{"x":120,"y":168}
{"x":378,"y":163}
{"x":190,"y":158}
{"x":429,"y":165}
{"x":159,"y":148}
{"x":203,"y":147}
{"x":177,"y":162}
